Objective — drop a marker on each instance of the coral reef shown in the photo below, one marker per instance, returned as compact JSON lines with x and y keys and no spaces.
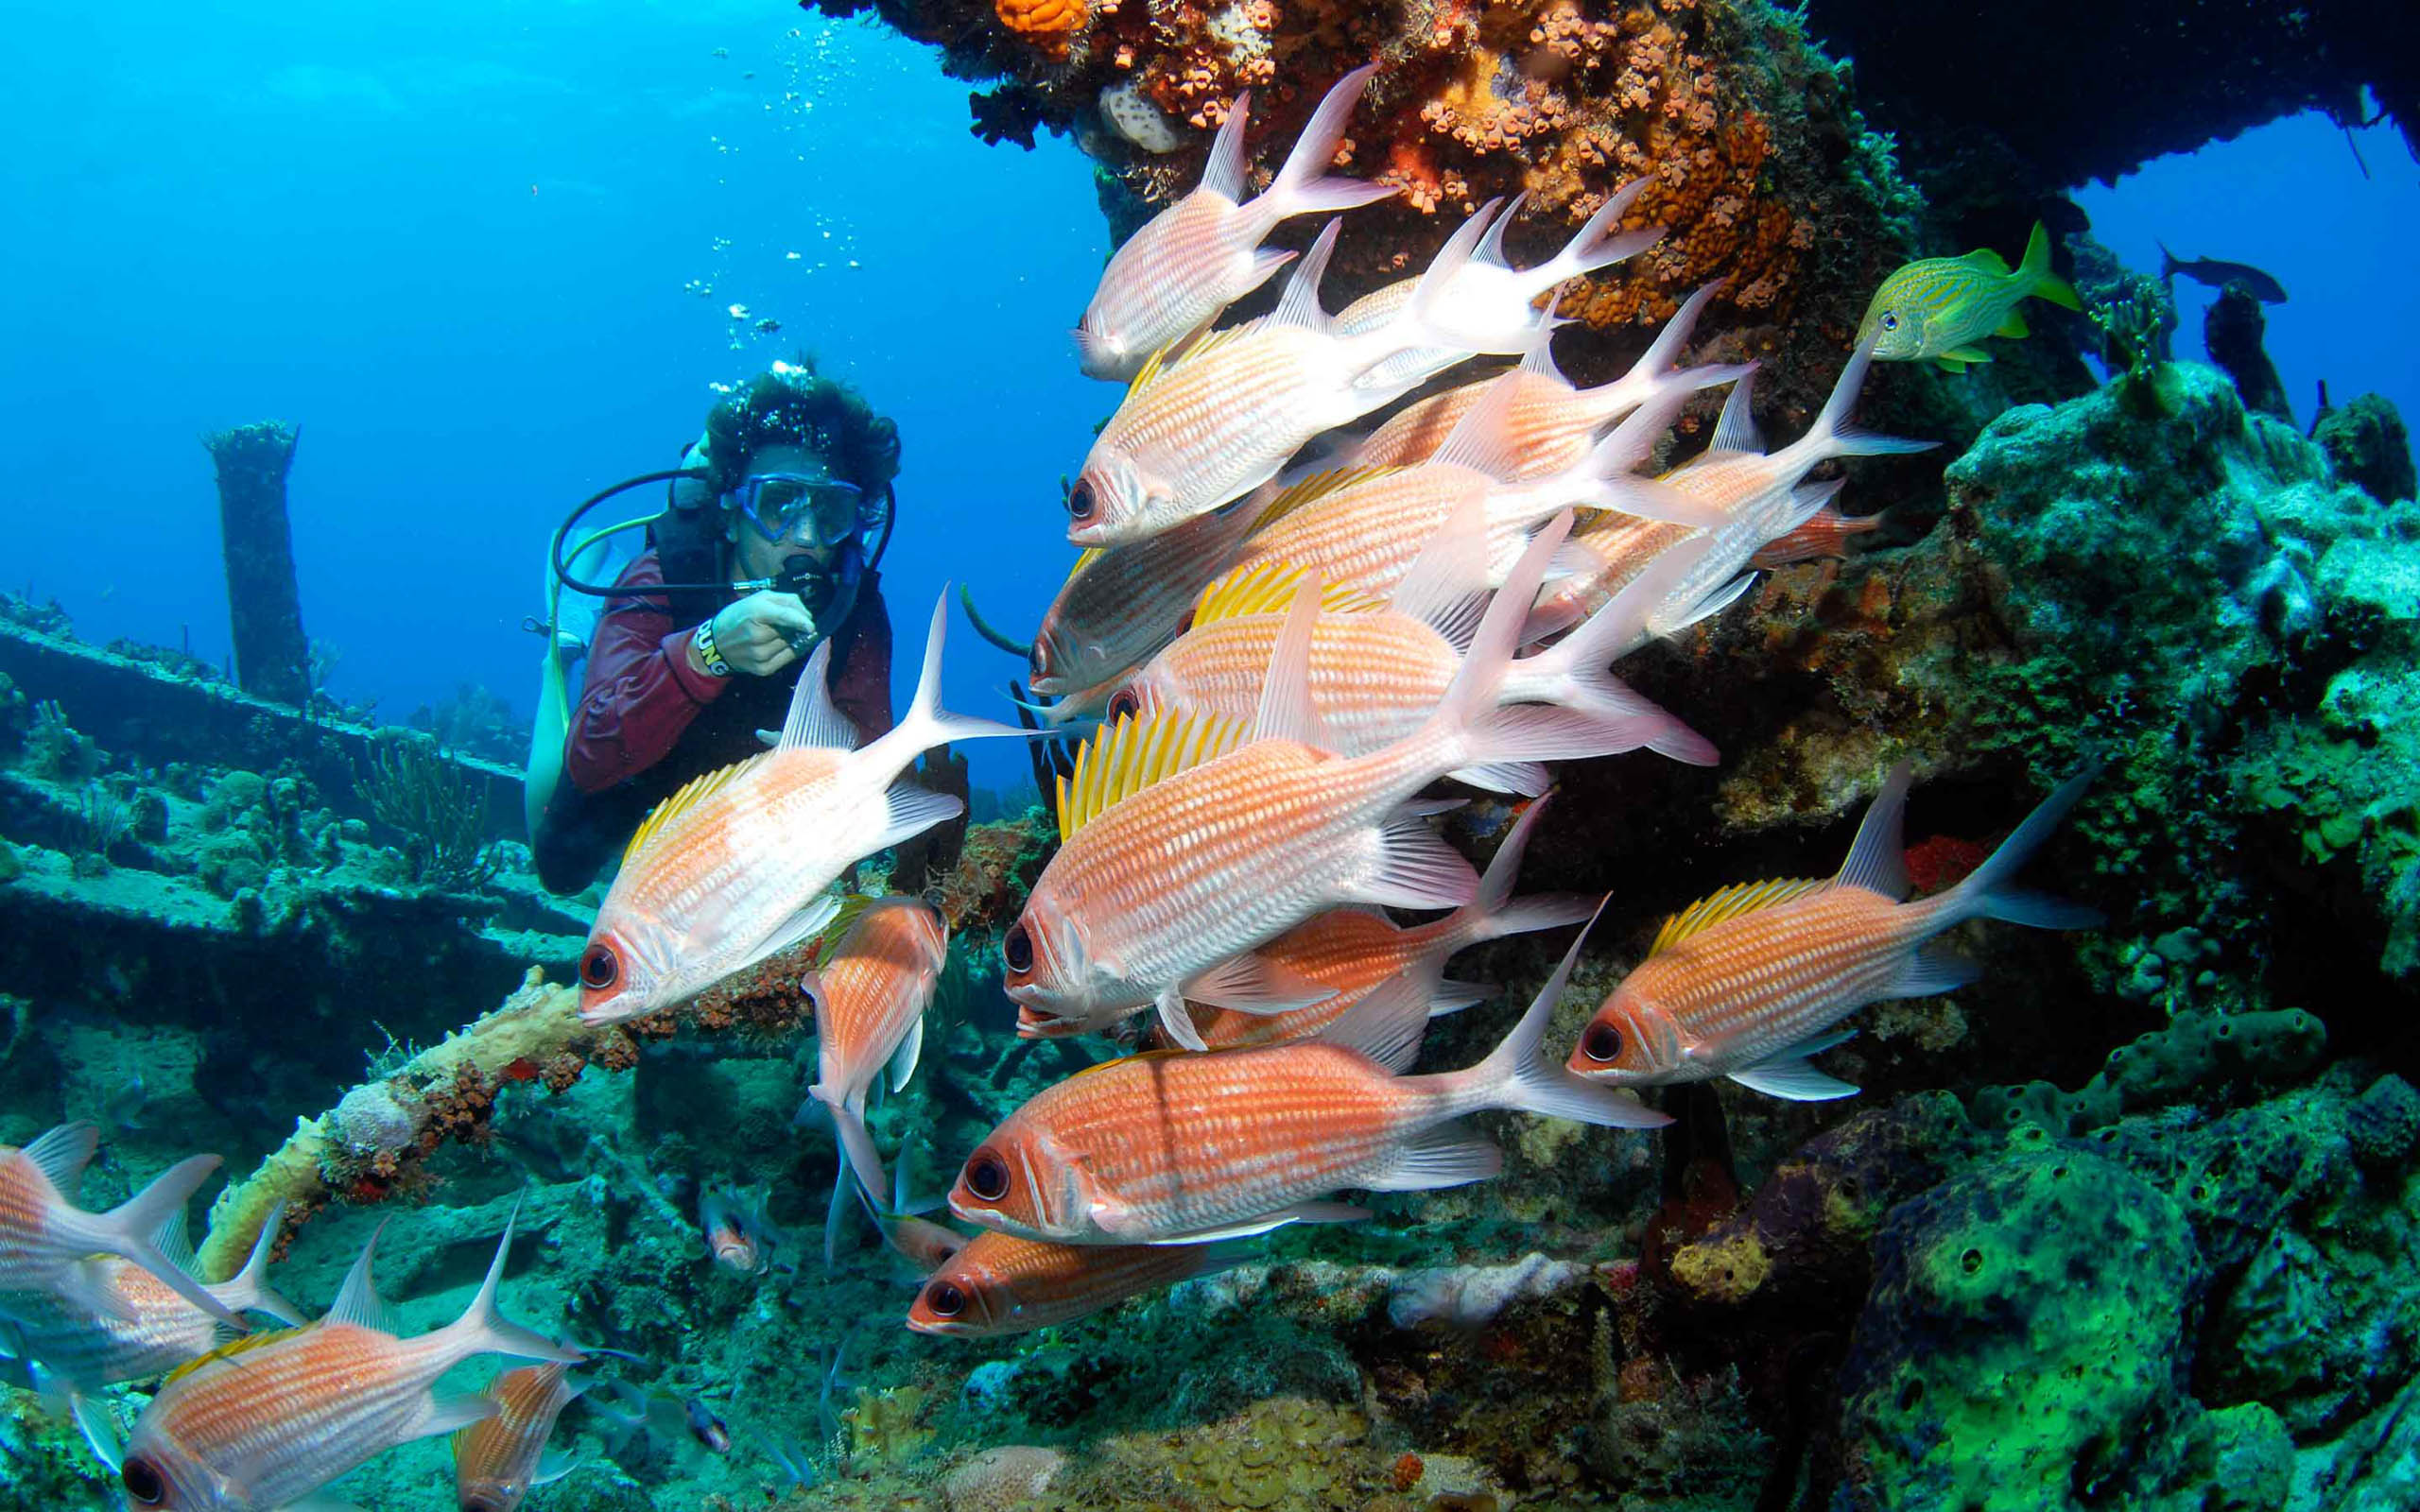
{"x":1754,"y":153}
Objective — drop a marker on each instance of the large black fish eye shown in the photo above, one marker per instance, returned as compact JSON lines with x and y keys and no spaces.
{"x":599,"y":967}
{"x":942,"y":1300}
{"x":143,"y":1483}
{"x":1016,"y":948}
{"x":1124,"y":703}
{"x":987,"y":1176}
{"x":1890,"y":320}
{"x":1602,"y":1043}
{"x":1081,"y":502}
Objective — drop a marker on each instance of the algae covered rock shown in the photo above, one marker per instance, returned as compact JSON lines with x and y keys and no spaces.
{"x":2025,"y":1338}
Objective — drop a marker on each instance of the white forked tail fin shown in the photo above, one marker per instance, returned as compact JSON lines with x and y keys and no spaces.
{"x":1576,"y":672}
{"x":1518,"y":1078}
{"x":1496,"y":913}
{"x":130,"y":1229}
{"x":1831,"y":435}
{"x":1303,"y":186}
{"x":927,"y":724}
{"x":483,"y":1329}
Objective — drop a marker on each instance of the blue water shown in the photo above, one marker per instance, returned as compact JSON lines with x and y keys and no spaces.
{"x":467,"y":246}
{"x":485,"y":255}
{"x":2290,"y":197}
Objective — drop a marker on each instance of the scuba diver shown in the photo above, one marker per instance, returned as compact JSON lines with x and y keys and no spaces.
{"x":767,"y":546}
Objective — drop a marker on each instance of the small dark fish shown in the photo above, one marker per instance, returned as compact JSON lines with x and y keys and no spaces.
{"x":2219,"y":275}
{"x":125,"y":1106}
{"x":767,"y":325}
{"x":706,"y":1428}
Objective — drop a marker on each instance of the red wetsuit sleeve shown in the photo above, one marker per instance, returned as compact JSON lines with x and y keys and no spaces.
{"x":861,"y":688}
{"x":639,"y":692}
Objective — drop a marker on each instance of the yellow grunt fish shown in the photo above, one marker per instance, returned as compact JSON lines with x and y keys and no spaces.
{"x":1552,"y":424}
{"x":733,"y":868}
{"x":1192,"y":260}
{"x":1943,"y":307}
{"x":270,"y":1419}
{"x":1227,"y":415}
{"x":1189,"y":840}
{"x":1749,"y":982}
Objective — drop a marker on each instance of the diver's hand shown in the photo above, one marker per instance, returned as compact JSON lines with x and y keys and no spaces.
{"x":760,"y":634}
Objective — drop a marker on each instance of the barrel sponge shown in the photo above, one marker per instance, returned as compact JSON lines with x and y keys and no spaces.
{"x":2198,"y":1053}
{"x":2025,"y":1328}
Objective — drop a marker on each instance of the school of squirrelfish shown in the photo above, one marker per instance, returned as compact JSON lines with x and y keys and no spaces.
{"x":1288,"y":642}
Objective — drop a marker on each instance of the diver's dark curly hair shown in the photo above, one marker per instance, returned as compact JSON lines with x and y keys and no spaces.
{"x":801,"y":408}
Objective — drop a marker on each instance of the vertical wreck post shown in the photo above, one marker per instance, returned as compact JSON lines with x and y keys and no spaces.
{"x":272,"y":658}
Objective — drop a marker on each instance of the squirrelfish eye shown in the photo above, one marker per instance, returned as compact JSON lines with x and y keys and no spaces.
{"x":1016,"y":948}
{"x":1123,"y":704}
{"x":599,"y":967}
{"x":944,"y":1299}
{"x":813,"y":998}
{"x":1890,"y":320}
{"x":1081,"y":500}
{"x":143,"y":1483}
{"x":987,"y":1176}
{"x":1602,"y":1043}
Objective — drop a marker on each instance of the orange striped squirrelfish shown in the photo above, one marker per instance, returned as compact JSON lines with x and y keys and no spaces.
{"x":1202,"y":253}
{"x":733,"y":868}
{"x":1189,"y":840}
{"x":1377,"y":674}
{"x":1364,"y":530}
{"x":1826,"y":533}
{"x":1554,"y":423}
{"x":1121,"y":604}
{"x":270,"y":1420}
{"x":1357,"y":950}
{"x":1000,"y":1285}
{"x":1209,"y":425}
{"x":1749,"y":982}
{"x":497,"y":1460}
{"x":869,"y":999}
{"x":1169,"y":1147}
{"x":43,"y":1234}
{"x":145,"y":1327}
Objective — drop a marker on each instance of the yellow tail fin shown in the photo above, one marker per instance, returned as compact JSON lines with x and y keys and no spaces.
{"x":2046,"y":284}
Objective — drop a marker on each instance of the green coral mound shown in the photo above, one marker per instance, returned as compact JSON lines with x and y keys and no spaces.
{"x":2196,"y":596}
{"x":2015,"y":1358}
{"x":2207,"y":1055}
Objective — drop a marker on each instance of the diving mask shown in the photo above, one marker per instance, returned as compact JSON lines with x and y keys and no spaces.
{"x":802,"y":510}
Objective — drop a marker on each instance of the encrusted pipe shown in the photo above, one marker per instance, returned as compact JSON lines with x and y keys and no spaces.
{"x":264,"y":608}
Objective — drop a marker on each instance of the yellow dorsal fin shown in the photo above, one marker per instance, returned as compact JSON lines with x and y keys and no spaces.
{"x":1176,"y":353}
{"x":1136,"y":752}
{"x":1083,"y":560}
{"x":695,"y":792}
{"x":1318,"y":485}
{"x":234,"y":1347}
{"x":1730,"y":902}
{"x":1268,"y":587}
{"x":1984,"y":258}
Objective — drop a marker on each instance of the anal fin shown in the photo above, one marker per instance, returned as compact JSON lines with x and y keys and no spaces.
{"x":1446,"y":1156}
{"x":1299,"y":1212}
